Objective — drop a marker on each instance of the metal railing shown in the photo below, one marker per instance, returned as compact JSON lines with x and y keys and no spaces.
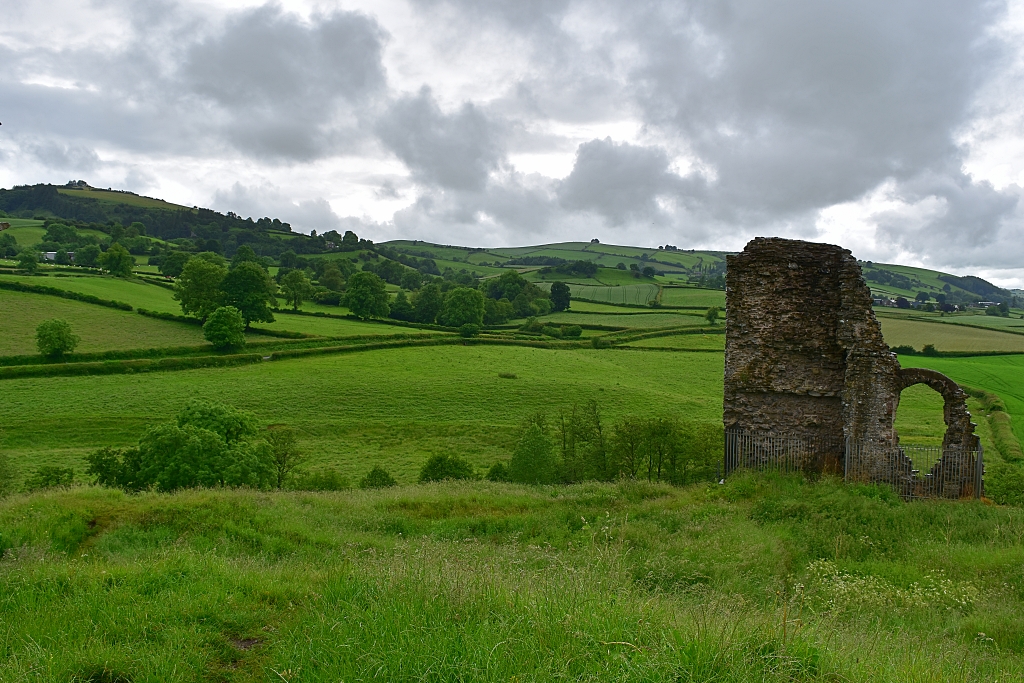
{"x":953,"y":473}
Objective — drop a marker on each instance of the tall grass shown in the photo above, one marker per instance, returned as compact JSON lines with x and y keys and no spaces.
{"x":764,"y":578}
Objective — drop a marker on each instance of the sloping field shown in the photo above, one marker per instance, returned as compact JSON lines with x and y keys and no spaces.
{"x":1002,"y":375}
{"x":948,"y":337}
{"x":714,"y":342}
{"x":641,"y":294}
{"x":395,"y":407}
{"x":134,"y":292}
{"x":123,"y":198}
{"x":332,"y":327}
{"x":100,"y":328}
{"x":692,"y":296}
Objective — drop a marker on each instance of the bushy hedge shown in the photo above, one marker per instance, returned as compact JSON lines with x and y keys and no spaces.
{"x":64,"y":294}
{"x":127,"y":366}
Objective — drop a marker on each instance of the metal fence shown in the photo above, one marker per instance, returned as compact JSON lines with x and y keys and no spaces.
{"x":952,"y":473}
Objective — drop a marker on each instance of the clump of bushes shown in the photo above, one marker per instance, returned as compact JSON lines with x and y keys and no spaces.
{"x":50,"y":477}
{"x":322,"y":479}
{"x":441,"y":467}
{"x":208,"y":444}
{"x":377,"y":478}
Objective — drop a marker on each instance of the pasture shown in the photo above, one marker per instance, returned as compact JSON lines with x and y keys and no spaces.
{"x":393,"y":407}
{"x":137,"y":293}
{"x":692,"y":296}
{"x":948,"y":336}
{"x":767,"y":579}
{"x":100,"y":328}
{"x":123,"y":198}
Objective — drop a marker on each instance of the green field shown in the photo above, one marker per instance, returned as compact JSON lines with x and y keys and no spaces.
{"x":394,"y":407}
{"x":691,"y":296}
{"x":123,"y":198}
{"x":638,"y":294}
{"x":638,"y":320}
{"x":100,"y":328}
{"x":948,"y":337}
{"x":683,"y":341}
{"x":137,"y":293}
{"x":761,"y":579}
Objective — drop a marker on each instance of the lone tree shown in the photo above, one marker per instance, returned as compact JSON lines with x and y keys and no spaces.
{"x":559,"y":296}
{"x":28,"y":261}
{"x":377,"y":478}
{"x":198,"y":287}
{"x":225,"y":329}
{"x":117,"y":261}
{"x":712,"y":315}
{"x":248,"y":288}
{"x":297,"y":288}
{"x":367,"y":296}
{"x":54,"y":338}
{"x":287,"y":456}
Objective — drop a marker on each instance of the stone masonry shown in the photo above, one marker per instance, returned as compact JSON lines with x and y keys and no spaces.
{"x":804,"y":354}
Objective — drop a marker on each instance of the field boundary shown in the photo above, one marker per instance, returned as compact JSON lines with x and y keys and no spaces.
{"x":1000,"y":422}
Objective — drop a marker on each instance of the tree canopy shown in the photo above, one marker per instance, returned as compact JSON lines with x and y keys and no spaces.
{"x":225,"y":328}
{"x":117,"y":261}
{"x":198,"y":287}
{"x":248,"y":288}
{"x":54,"y":338}
{"x":462,"y":306}
{"x":367,"y":296}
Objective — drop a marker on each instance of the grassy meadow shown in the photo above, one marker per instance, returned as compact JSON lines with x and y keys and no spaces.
{"x":761,"y":578}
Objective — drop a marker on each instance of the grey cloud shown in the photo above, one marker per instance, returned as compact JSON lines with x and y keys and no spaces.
{"x":619,"y":181}
{"x":456,"y":151}
{"x":64,"y":157}
{"x":283,"y":83}
{"x":268,"y":200}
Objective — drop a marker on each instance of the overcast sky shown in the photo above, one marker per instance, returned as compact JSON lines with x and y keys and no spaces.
{"x":894,"y":128}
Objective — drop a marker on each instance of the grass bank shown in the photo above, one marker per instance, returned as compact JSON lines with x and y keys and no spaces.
{"x":766,"y":579}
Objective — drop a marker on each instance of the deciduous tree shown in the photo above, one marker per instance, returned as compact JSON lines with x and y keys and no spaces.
{"x":198,"y":287}
{"x":225,"y":328}
{"x":297,"y":288}
{"x":560,"y":296}
{"x":248,"y":288}
{"x":54,"y":338}
{"x":117,"y":261}
{"x":366,"y":296}
{"x":462,"y":306}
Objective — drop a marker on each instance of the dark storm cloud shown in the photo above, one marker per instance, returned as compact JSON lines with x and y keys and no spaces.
{"x":456,"y":151}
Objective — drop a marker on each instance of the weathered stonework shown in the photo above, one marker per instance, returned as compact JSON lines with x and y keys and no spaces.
{"x":804,"y":354}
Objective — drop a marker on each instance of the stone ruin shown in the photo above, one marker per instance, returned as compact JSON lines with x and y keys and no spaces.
{"x":805,"y":359}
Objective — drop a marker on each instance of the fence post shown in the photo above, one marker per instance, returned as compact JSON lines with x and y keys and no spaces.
{"x":979,"y":471}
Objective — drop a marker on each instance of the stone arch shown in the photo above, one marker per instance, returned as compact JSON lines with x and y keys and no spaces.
{"x":959,"y":428}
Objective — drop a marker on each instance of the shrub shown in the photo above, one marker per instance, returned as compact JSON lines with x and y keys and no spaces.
{"x":469,"y":330}
{"x":225,"y":328}
{"x":1004,"y":484}
{"x":551,"y":331}
{"x":54,"y":338}
{"x":323,"y":479}
{"x":508,"y":375}
{"x":115,"y":468}
{"x":498,"y":472}
{"x":287,"y":456}
{"x":441,"y":467}
{"x":377,"y":478}
{"x":929,"y":350}
{"x":8,"y":474}
{"x":28,"y":261}
{"x":600,"y":343}
{"x":904,"y":349}
{"x":49,"y":477}
{"x":712,"y":315}
{"x":532,"y":461}
{"x":571,"y":331}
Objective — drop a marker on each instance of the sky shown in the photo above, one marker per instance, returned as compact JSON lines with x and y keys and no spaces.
{"x":894,"y":128}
